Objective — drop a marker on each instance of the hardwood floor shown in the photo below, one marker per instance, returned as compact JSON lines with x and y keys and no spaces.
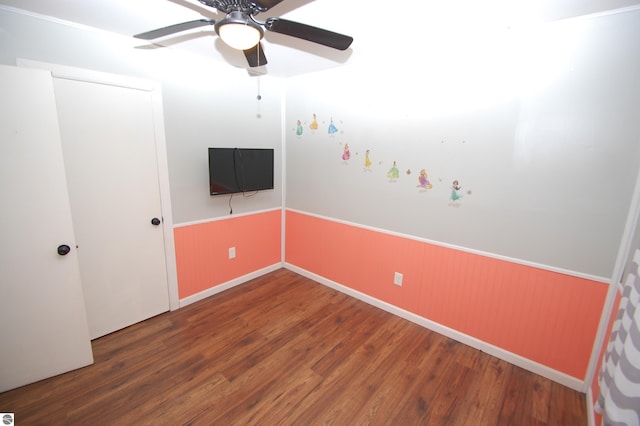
{"x":284,"y":350}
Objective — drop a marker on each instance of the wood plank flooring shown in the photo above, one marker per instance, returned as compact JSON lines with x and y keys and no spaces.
{"x":284,"y":350}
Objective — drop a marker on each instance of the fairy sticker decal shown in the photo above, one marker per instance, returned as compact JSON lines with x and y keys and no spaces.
{"x":299,"y":128}
{"x":393,"y":173}
{"x":423,"y":180}
{"x":332,"y":128}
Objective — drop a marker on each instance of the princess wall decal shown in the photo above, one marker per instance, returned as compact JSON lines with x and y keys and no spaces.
{"x":394,"y":173}
{"x":346,"y":153}
{"x":332,"y":128}
{"x":367,"y":161}
{"x":423,"y":180}
{"x":314,"y":123}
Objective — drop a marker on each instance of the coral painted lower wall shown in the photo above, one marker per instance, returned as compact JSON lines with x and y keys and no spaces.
{"x":547,"y":317}
{"x":202,"y":250}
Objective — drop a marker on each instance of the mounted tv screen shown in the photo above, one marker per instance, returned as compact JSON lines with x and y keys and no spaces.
{"x":235,"y":170}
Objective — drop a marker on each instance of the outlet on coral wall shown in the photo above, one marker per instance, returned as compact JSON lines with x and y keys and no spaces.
{"x":397,"y":279}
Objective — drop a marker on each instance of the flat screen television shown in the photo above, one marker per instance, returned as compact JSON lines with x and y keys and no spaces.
{"x":236,"y":170}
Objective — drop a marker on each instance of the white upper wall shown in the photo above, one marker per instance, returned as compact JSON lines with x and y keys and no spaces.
{"x":538,"y":124}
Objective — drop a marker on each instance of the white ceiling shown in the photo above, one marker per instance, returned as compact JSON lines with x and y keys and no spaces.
{"x":374,"y":25}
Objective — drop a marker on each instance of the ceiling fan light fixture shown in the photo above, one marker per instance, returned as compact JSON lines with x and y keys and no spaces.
{"x":238,"y":31}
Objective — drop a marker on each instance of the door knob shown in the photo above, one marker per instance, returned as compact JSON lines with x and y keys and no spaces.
{"x":155,"y":221}
{"x":63,"y":250}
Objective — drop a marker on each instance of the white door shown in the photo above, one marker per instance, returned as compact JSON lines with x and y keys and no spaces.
{"x":43,"y":327}
{"x":109,"y":147}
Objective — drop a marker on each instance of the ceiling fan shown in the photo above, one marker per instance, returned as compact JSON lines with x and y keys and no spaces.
{"x":241,"y":30}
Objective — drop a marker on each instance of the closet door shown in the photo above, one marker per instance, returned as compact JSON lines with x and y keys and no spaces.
{"x":44,"y":329}
{"x":109,"y":147}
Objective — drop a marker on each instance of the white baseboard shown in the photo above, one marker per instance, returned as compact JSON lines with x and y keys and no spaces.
{"x":229,"y":284}
{"x":527,"y":364}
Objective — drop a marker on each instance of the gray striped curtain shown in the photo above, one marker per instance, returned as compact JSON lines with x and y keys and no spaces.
{"x":619,"y":379}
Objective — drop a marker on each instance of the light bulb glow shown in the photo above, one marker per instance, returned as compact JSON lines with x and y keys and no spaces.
{"x":240,"y":36}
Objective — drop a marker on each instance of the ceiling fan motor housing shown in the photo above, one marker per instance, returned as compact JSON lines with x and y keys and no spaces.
{"x":228,"y":6}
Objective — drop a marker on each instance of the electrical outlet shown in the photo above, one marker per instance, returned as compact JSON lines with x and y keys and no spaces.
{"x":397,"y":279}
{"x":232,"y":252}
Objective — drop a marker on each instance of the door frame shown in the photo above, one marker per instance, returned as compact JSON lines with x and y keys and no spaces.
{"x":155,"y":90}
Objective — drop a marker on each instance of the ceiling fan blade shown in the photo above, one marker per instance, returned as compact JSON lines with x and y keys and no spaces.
{"x":307,"y":32}
{"x":176,"y":28}
{"x":255,"y":56}
{"x":267,"y":4}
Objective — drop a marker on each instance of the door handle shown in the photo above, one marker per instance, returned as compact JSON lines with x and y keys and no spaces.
{"x":155,"y":221}
{"x":63,"y":250}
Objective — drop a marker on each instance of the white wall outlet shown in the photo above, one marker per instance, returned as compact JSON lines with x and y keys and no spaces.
{"x":397,"y":279}
{"x":232,"y":252}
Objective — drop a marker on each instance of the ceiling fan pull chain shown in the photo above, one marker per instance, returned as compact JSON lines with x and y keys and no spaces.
{"x":259,"y":97}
